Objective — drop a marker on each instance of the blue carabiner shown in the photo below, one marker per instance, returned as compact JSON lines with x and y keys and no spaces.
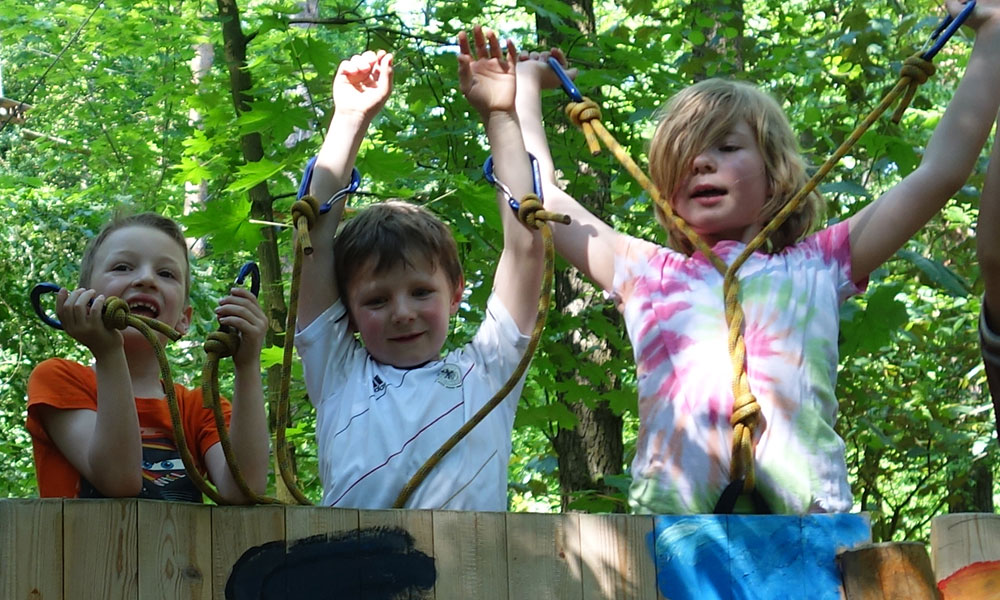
{"x":536,"y":183}
{"x":253,"y":271}
{"x":36,"y":303}
{"x":307,"y":180}
{"x":946,"y":29}
{"x":567,"y":84}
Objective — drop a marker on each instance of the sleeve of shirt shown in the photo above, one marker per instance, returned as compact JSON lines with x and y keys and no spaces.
{"x":199,"y":422}
{"x":833,"y":245}
{"x":61,"y":384}
{"x":325,"y":346}
{"x":632,"y":265}
{"x":498,"y":346}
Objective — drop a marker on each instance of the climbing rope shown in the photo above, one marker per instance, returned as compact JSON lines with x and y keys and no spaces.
{"x":585,"y":114}
{"x":532,"y":214}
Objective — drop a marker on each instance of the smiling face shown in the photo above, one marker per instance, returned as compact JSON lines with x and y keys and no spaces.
{"x":722,"y":195}
{"x":403,"y":311}
{"x":147,"y":269}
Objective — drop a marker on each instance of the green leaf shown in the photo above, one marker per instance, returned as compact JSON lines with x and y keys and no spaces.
{"x":939,"y":274}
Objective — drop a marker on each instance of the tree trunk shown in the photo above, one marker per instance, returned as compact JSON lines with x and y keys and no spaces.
{"x":593,"y":449}
{"x":272,"y":291}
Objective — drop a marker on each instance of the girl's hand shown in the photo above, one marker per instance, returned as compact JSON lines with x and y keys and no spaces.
{"x":363,"y":83}
{"x":986,"y":12}
{"x":533,"y":67}
{"x":487,"y":80}
{"x":80,"y":312}
{"x":241,"y":311}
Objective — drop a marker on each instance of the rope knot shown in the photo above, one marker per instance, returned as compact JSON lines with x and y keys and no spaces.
{"x":222,"y":343}
{"x":527,"y":213}
{"x":583,"y":112}
{"x":918,"y":70}
{"x":116,"y":313}
{"x":306,"y":207}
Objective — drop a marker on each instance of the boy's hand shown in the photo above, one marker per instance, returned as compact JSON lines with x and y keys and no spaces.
{"x":487,"y":80}
{"x":363,"y":83}
{"x":533,"y":67}
{"x":241,"y":311}
{"x":80,"y":312}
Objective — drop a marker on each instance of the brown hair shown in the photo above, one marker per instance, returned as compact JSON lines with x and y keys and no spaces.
{"x":702,"y":114}
{"x":391,"y":233}
{"x":123,"y":219}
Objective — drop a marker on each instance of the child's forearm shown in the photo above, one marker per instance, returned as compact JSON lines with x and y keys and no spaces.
{"x":114,"y":454}
{"x":332,"y":171}
{"x":248,"y":434}
{"x":529,"y":112}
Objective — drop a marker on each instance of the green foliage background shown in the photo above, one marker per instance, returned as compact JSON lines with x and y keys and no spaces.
{"x":914,"y":408}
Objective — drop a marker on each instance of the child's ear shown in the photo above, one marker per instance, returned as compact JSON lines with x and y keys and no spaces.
{"x":184,"y":322}
{"x":456,"y":295}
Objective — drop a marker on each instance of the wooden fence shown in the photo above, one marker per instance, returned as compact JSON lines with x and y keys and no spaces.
{"x":134,"y":549}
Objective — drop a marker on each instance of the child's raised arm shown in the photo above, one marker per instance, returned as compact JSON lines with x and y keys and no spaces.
{"x":587,"y":242}
{"x":883,"y":226}
{"x":360,"y":89}
{"x":489,"y":83}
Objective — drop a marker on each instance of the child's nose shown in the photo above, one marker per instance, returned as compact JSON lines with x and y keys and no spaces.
{"x":403,"y":311}
{"x":144,"y":276}
{"x":703,"y":162}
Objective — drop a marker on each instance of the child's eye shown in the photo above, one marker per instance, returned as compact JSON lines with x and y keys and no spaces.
{"x":168,"y":274}
{"x":422,"y":292}
{"x":376,"y":302}
{"x":729,"y":148}
{"x":120,"y":267}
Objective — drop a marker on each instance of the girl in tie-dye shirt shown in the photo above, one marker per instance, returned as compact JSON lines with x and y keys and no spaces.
{"x":726,"y":159}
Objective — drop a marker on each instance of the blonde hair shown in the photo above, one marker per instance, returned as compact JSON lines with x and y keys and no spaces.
{"x":702,"y":114}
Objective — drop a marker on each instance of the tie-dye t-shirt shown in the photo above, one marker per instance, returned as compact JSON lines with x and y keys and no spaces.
{"x":674,"y":313}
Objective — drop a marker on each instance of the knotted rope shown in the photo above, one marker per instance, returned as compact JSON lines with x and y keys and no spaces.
{"x":746,"y":411}
{"x":533,"y":215}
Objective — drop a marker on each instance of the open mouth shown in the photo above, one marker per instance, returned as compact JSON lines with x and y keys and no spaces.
{"x":708,"y":192}
{"x":143,"y":309}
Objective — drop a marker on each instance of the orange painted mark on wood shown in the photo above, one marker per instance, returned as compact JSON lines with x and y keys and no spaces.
{"x":978,"y":581}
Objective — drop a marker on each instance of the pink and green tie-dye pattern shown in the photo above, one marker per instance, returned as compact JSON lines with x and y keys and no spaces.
{"x":674,"y":313}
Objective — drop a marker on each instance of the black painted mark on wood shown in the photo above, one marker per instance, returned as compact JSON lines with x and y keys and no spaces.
{"x":368,"y":564}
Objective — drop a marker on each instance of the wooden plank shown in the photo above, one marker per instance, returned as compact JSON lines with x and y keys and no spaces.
{"x":543,"y":556}
{"x":402,"y":545}
{"x":617,"y":557}
{"x":965,"y":548}
{"x":888,"y":571}
{"x":470,"y":555}
{"x":306,"y":521}
{"x":237,"y":529}
{"x":710,"y":557}
{"x":175,"y":550}
{"x":100,"y":549}
{"x":31,"y":549}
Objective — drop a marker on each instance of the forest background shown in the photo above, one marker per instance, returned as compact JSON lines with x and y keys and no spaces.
{"x":207,"y":112}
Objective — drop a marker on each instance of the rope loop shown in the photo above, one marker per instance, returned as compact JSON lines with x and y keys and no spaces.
{"x":116,"y":313}
{"x":583,"y":112}
{"x":532,"y":213}
{"x":916,"y":70}
{"x":305,"y":211}
{"x":222,"y":343}
{"x":306,"y":207}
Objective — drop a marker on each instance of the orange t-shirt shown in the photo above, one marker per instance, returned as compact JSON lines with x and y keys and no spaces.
{"x":68,"y":385}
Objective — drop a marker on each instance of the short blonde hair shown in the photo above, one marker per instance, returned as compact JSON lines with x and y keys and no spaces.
{"x":702,"y":114}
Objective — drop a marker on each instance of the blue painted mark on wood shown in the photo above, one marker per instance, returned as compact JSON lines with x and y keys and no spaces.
{"x":743,"y":557}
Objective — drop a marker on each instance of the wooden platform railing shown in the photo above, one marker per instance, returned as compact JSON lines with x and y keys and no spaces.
{"x":132,"y":549}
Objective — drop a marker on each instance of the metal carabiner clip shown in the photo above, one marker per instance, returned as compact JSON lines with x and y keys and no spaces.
{"x":325,"y":207}
{"x":945,"y":30}
{"x":253,"y":271}
{"x":36,"y":303}
{"x":536,"y":183}
{"x":567,"y":84}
